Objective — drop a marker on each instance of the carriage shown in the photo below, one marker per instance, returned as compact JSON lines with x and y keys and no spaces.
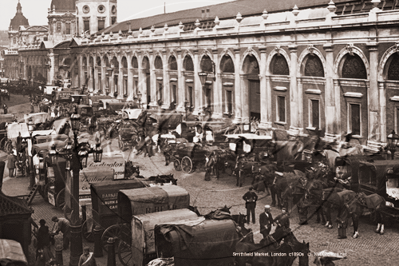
{"x":11,"y":253}
{"x":209,"y":240}
{"x":4,"y":120}
{"x":381,"y":177}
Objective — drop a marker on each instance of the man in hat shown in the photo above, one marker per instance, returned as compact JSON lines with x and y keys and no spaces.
{"x":265,"y":221}
{"x":87,"y":258}
{"x":282,"y":221}
{"x":250,"y":203}
{"x":63,"y":226}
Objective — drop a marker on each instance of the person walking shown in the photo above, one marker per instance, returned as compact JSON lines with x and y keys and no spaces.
{"x":11,"y":159}
{"x":87,"y":258}
{"x":43,"y":251}
{"x":266,"y":221}
{"x":32,"y":108}
{"x":63,"y":226}
{"x":5,"y":108}
{"x":250,"y":203}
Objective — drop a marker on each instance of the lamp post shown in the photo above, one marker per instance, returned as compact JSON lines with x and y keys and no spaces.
{"x":75,"y":166}
{"x":203,"y":76}
{"x":186,"y":106}
{"x":392,"y":141}
{"x":32,"y":170}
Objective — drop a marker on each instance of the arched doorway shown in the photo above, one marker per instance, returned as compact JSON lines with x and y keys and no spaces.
{"x":207,"y":68}
{"x":135,"y":66}
{"x":251,"y":71}
{"x":188,"y":67}
{"x":159,"y":77}
{"x":353,"y":87}
{"x":227,"y":75}
{"x":391,"y":78}
{"x":115,"y":76}
{"x":147,"y":77}
{"x":173,"y":81}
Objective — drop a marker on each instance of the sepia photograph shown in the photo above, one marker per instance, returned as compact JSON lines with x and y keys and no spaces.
{"x":199,"y":132}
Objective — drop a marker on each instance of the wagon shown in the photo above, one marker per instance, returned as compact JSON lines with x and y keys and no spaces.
{"x":349,"y":166}
{"x":143,"y":201}
{"x":381,"y":177}
{"x":4,"y":120}
{"x":142,"y":248}
{"x":104,"y":205}
{"x":11,"y":253}
{"x":197,"y":242}
{"x":37,"y":118}
{"x":189,"y":156}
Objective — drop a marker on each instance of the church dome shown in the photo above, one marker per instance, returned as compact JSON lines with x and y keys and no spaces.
{"x":19,"y":19}
{"x":63,"y":5}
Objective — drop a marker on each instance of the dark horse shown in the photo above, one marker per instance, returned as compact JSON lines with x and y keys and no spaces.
{"x":269,"y":252}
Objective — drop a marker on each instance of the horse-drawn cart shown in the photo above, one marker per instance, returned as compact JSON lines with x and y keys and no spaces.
{"x":189,"y":156}
{"x":140,"y":248}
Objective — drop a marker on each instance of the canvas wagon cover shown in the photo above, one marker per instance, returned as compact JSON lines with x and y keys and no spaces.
{"x":37,"y":117}
{"x":152,"y":199}
{"x":6,"y":118}
{"x":11,"y":251}
{"x":198,"y":244}
{"x":143,"y":238}
{"x":14,"y":129}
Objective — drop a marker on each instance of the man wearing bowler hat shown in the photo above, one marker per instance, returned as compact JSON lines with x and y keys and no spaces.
{"x":250,"y":203}
{"x":266,"y":221}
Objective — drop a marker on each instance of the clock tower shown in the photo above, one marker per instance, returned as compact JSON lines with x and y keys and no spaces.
{"x":95,"y":15}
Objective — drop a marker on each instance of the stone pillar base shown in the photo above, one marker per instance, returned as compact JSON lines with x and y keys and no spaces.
{"x":75,"y":245}
{"x":328,"y":137}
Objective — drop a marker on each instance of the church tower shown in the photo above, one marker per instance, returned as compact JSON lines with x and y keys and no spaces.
{"x":95,"y":15}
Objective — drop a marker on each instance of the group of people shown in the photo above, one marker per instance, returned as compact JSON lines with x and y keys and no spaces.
{"x":265,"y":218}
{"x":44,"y":255}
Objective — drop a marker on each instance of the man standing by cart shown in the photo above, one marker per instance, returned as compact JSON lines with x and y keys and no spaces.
{"x":250,"y":203}
{"x":265,"y":221}
{"x":63,"y":226}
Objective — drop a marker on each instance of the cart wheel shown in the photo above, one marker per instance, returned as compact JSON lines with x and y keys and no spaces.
{"x":112,"y":231}
{"x":187,"y":165}
{"x":120,"y":142}
{"x":125,"y":253}
{"x":177,"y":165}
{"x":2,"y":143}
{"x":60,"y":199}
{"x":8,"y":146}
{"x":88,"y":232}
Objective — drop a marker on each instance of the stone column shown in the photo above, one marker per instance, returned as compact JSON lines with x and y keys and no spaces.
{"x":90,"y":74}
{"x":95,"y":78}
{"x":103,"y":75}
{"x":237,"y":87}
{"x":153,"y":81}
{"x":269,"y":99}
{"x":130,"y":82}
{"x":337,"y":100}
{"x":217,"y":89}
{"x":120,"y":80}
{"x":383,"y":111}
{"x":52,"y":68}
{"x":142,"y":79}
{"x":244,"y":99}
{"x":181,"y":90}
{"x":374,"y":134}
{"x":263,"y":89}
{"x":294,"y":97}
{"x":331,"y":130}
{"x":197,"y":85}
{"x":165,"y":81}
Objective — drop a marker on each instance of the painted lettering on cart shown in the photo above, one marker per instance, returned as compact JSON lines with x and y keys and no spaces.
{"x":114,"y":164}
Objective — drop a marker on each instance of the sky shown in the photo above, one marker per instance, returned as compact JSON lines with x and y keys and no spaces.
{"x":36,"y":10}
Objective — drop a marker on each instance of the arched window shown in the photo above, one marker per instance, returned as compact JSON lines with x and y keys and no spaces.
{"x":227,"y":65}
{"x":279,"y":65}
{"x":172,"y":63}
{"x":353,"y":67}
{"x":135,"y":63}
{"x":158,"y":63}
{"x":188,"y":64}
{"x":393,"y":70}
{"x":313,"y":66}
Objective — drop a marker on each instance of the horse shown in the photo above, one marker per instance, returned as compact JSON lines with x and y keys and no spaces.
{"x":281,"y":182}
{"x":213,"y":165}
{"x":313,"y":197}
{"x":269,"y":247}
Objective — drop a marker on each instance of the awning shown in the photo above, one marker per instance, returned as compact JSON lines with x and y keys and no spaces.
{"x":14,"y":129}
{"x":11,"y":251}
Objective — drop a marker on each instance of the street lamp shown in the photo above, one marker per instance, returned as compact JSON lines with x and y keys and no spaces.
{"x":32,"y":171}
{"x":392,"y":141}
{"x":186,"y":106}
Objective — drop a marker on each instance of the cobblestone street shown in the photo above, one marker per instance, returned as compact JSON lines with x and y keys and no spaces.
{"x":209,"y":195}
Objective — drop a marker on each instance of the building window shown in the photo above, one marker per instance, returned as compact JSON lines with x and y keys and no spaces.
{"x":160,"y":92}
{"x":353,"y":67}
{"x":68,"y":28}
{"x":58,"y":26}
{"x":113,"y":20}
{"x":281,"y":109}
{"x":229,"y":101}
{"x":279,"y":66}
{"x":86,"y":23}
{"x":174,"y":93}
{"x":314,"y":114}
{"x":190,"y":95}
{"x":101,"y":23}
{"x":136,"y":86}
{"x":354,"y":119}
